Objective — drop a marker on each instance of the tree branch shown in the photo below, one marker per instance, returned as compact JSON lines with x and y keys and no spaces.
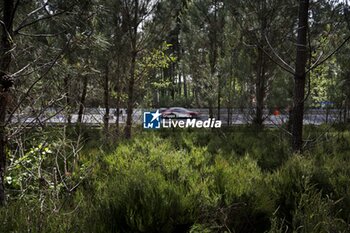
{"x":37,"y":80}
{"x":329,"y":56}
{"x":276,"y":54}
{"x":24,"y":25}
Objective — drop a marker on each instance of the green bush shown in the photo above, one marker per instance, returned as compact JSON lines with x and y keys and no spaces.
{"x":297,"y":191}
{"x":190,"y":181}
{"x":152,"y":186}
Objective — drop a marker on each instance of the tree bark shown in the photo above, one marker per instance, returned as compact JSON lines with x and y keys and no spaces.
{"x":106,"y":101}
{"x":299,"y":77}
{"x":219,"y":98}
{"x":180,"y":82}
{"x":3,"y":109}
{"x":130,"y":103}
{"x":231,"y":92}
{"x":173,"y":86}
{"x":260,"y":89}
{"x":82,"y":100}
{"x":68,"y":100}
{"x":118,"y":90}
{"x":260,"y":84}
{"x":346,"y":111}
{"x":5,"y":85}
{"x":213,"y":57}
{"x":185,"y":84}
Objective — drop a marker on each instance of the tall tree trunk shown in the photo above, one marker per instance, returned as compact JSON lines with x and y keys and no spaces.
{"x":180,"y":83}
{"x":130,"y":104}
{"x":299,"y":77}
{"x":211,"y":112}
{"x":68,"y":100}
{"x":3,"y":108}
{"x":231,"y":93}
{"x":185,"y":84}
{"x":5,"y":84}
{"x":117,"y":116}
{"x":260,"y":84}
{"x":213,"y":55}
{"x":290,"y":119}
{"x":106,"y":100}
{"x":229,"y":103}
{"x":118,"y":90}
{"x":195,"y":94}
{"x":82,"y":100}
{"x":173,"y":86}
{"x":347,"y":110}
{"x":260,"y":89}
{"x":219,"y":97}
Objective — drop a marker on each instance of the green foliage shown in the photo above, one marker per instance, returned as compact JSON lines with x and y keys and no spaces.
{"x":151,"y":183}
{"x":25,"y":172}
{"x":324,"y":80}
{"x":163,"y":187}
{"x":304,"y":199}
{"x":40,"y":182}
{"x":189,"y":181}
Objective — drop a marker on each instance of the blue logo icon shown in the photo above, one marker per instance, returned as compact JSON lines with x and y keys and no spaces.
{"x":151,"y":120}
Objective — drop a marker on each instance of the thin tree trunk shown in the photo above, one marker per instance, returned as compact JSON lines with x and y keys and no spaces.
{"x":195,"y":93}
{"x":290,"y":119}
{"x":229,"y":104}
{"x":211,"y":112}
{"x":259,"y":90}
{"x":117,"y":90}
{"x":117,"y":115}
{"x":173,"y":86}
{"x":5,"y":85}
{"x":213,"y":58}
{"x":232,"y":85}
{"x":3,"y":109}
{"x":219,"y":97}
{"x":68,"y":101}
{"x":260,"y":85}
{"x":106,"y":100}
{"x":299,"y":77}
{"x":185,"y":85}
{"x":82,"y":100}
{"x":346,"y":111}
{"x":345,"y":115}
{"x":130,"y":103}
{"x":180,"y":83}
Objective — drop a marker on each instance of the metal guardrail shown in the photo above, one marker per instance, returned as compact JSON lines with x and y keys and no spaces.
{"x":95,"y":116}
